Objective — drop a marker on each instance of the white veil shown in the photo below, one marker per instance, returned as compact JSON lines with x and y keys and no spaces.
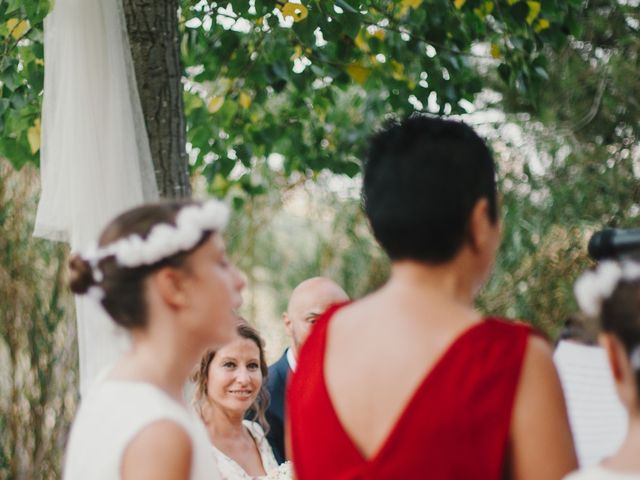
{"x":95,"y":158}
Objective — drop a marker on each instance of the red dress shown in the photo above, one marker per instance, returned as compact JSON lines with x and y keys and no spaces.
{"x":456,"y":425}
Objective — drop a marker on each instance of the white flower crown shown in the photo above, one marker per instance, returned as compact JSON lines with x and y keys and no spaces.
{"x":164,"y":240}
{"x":594,"y":287}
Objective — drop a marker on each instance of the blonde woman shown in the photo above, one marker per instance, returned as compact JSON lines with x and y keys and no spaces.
{"x":230,"y":383}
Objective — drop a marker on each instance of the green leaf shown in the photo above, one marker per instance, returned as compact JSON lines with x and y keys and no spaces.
{"x":542,"y":73}
{"x":12,"y":6}
{"x":346,"y":7}
{"x":227,"y":112}
{"x":350,"y":23}
{"x":505,"y":72}
{"x":4,"y":104}
{"x":351,"y":168}
{"x":280,"y":70}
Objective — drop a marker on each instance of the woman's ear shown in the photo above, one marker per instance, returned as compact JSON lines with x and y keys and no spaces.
{"x":481,"y":228}
{"x":287,"y":324}
{"x":613,"y":350}
{"x":170,"y":285}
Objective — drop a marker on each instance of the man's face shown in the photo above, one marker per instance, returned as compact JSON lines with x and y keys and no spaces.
{"x":310,"y":299}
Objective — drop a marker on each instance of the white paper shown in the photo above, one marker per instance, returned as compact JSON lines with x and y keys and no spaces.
{"x":598,"y":419}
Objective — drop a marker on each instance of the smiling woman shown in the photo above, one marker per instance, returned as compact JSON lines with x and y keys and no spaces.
{"x":229,"y":384}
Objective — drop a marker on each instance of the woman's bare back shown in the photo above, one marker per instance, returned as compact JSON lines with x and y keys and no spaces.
{"x":381,"y":349}
{"x":378,"y":353}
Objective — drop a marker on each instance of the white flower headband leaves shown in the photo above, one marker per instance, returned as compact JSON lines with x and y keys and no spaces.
{"x":594,"y":287}
{"x":164,"y":240}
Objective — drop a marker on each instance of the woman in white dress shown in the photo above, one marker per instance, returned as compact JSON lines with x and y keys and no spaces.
{"x":162,"y":274}
{"x":229,"y":383}
{"x":612,"y":294}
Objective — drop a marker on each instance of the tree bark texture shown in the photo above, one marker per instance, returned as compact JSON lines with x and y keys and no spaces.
{"x":154,"y":40}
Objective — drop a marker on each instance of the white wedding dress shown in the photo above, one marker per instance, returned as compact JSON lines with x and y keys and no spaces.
{"x":598,"y":472}
{"x":230,"y":470}
{"x":112,"y":414}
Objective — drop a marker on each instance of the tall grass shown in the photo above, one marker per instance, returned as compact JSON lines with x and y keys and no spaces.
{"x":38,"y":354}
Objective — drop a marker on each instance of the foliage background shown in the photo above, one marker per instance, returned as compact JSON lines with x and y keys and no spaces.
{"x":277,"y":122}
{"x":38,"y":350}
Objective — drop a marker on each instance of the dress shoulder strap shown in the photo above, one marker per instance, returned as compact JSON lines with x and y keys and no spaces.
{"x":314,"y":345}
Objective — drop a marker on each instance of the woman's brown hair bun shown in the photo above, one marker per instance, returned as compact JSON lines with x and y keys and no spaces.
{"x":80,"y":275}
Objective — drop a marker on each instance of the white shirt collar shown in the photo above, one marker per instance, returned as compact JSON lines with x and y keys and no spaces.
{"x":291,"y":359}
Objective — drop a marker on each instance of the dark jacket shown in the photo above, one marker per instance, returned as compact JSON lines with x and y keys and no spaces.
{"x":276,"y":384}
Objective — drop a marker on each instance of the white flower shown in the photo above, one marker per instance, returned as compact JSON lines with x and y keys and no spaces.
{"x":127,"y":250}
{"x":188,"y":216}
{"x":593,"y":288}
{"x":164,"y":240}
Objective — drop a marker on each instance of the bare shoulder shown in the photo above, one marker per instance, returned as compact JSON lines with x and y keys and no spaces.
{"x":541,"y":441}
{"x":539,"y":355}
{"x":162,"y":450}
{"x":539,"y":381}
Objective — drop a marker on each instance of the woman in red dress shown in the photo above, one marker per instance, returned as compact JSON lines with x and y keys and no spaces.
{"x":411,"y":381}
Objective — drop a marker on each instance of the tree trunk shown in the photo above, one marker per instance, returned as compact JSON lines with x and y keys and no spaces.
{"x":153,"y":36}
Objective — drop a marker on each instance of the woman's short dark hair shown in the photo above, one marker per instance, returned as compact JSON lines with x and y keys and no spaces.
{"x":201,"y":376}
{"x":123,"y":287}
{"x":422,"y":178}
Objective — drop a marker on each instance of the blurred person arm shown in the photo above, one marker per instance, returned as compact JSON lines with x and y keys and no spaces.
{"x":161,"y":451}
{"x":541,"y":441}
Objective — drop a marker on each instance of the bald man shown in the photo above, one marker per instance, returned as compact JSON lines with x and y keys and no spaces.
{"x":308,"y":300}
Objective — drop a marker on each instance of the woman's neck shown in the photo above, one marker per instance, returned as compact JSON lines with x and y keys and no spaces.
{"x":223,"y":424}
{"x":447,"y":282}
{"x":627,"y":459}
{"x":157,"y":356}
